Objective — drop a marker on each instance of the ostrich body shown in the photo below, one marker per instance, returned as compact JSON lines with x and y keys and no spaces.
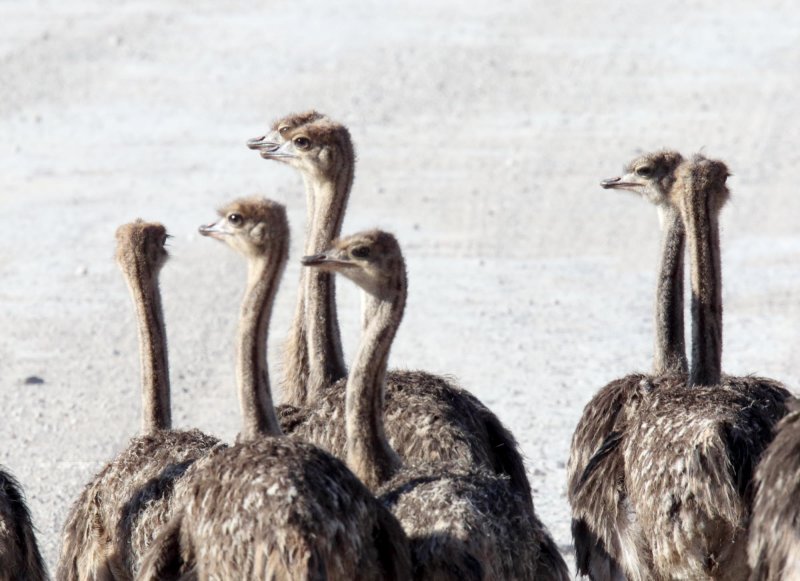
{"x":277,"y":508}
{"x":774,"y":542}
{"x":596,"y":436}
{"x":418,"y":404}
{"x":463,"y":523}
{"x":272,"y":507}
{"x":19,"y":551}
{"x":119,"y":511}
{"x":672,"y":481}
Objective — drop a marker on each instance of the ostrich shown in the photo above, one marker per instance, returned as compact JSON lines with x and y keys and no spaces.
{"x":19,"y":551}
{"x":272,"y":507}
{"x":120,"y":509}
{"x":462,"y":522}
{"x":774,"y":543}
{"x":295,"y":356}
{"x":599,"y":543}
{"x":417,"y":402}
{"x":673,"y":483}
{"x":323,"y":152}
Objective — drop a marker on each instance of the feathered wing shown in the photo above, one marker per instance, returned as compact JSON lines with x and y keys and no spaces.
{"x":774,"y":541}
{"x":689,"y":458}
{"x":122,"y":508}
{"x":602,"y":528}
{"x":19,"y":550}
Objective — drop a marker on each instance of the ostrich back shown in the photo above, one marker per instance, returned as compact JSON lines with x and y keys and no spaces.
{"x":468,"y":524}
{"x":668,"y":493}
{"x":121,"y":509}
{"x":277,"y":508}
{"x":427,"y":419}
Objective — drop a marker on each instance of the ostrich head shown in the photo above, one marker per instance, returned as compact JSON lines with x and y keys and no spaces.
{"x":702,"y":180}
{"x":372,"y":259}
{"x":141,"y":247}
{"x":249,"y":225}
{"x":318,"y":147}
{"x":282,"y":126}
{"x":651,"y":175}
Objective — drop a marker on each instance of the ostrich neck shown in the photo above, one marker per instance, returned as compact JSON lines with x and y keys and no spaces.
{"x":295,"y":355}
{"x":703,"y":229}
{"x":156,"y":409}
{"x":369,"y":454}
{"x":326,"y":361}
{"x":252,"y":374}
{"x":670,"y":348}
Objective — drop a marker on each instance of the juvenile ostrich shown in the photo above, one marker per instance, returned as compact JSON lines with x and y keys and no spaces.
{"x":19,"y":551}
{"x":673,"y":482}
{"x":463,"y":523}
{"x":295,"y":352}
{"x":323,"y":153}
{"x":774,"y":543}
{"x":117,"y":514}
{"x":272,"y":507}
{"x":599,"y":543}
{"x":417,"y":402}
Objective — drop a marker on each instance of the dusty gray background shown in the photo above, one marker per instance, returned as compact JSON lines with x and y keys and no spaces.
{"x":482,"y":131}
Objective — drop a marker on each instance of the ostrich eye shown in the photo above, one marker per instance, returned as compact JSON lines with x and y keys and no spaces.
{"x":644,"y":171}
{"x":235,"y":219}
{"x":302,"y":142}
{"x":284,"y":129}
{"x":360,"y":252}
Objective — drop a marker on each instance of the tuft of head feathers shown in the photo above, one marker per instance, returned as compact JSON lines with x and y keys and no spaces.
{"x":141,"y":245}
{"x":708,"y":177}
{"x":294,"y":120}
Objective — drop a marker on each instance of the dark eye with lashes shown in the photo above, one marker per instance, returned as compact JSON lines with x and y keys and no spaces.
{"x":360,"y":252}
{"x":302,"y":142}
{"x":235,"y":219}
{"x":644,"y":171}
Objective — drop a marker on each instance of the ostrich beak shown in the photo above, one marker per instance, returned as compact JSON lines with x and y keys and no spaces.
{"x":619,"y":183}
{"x":275,"y":150}
{"x":315,"y":259}
{"x":263,"y":143}
{"x":213,"y":230}
{"x":325,"y":261}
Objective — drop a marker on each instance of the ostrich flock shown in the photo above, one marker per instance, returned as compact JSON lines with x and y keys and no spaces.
{"x":368,"y":473}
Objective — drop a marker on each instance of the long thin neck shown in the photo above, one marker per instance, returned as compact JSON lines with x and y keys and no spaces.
{"x":702,"y":228}
{"x":156,"y":409}
{"x":295,"y":353}
{"x":294,"y":385}
{"x":326,"y":360}
{"x":670,"y":348}
{"x":252,"y":373}
{"x":369,"y":454}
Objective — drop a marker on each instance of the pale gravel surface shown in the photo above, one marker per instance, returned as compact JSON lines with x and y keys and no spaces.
{"x":482,"y":130}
